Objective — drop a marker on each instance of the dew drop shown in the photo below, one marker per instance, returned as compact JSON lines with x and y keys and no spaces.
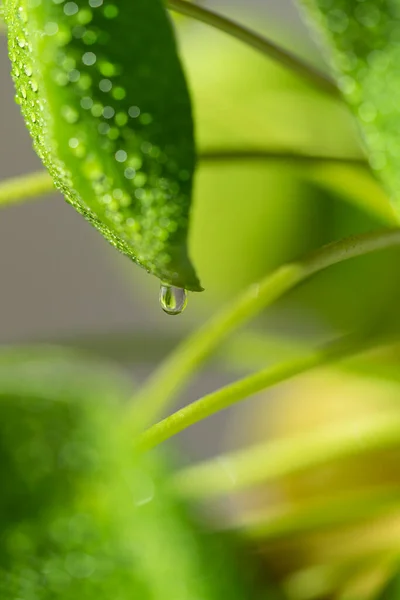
{"x":111,"y":11}
{"x":173,"y":300}
{"x":71,"y":8}
{"x":51,"y":28}
{"x":105,"y":85}
{"x":119,"y":93}
{"x":108,"y":112}
{"x":121,"y":156}
{"x":89,"y":58}
{"x":86,"y":103}
{"x":134,"y":111}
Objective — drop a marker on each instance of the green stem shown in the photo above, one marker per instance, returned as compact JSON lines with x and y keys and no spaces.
{"x":17,"y":189}
{"x":155,"y":395}
{"x":281,"y":458}
{"x":244,"y":388}
{"x":256,"y":41}
{"x":219,"y":155}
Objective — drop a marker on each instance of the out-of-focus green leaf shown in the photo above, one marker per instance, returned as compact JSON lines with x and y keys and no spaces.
{"x":355,"y":185}
{"x":363,"y":38}
{"x":81,"y":514}
{"x":105,"y":99}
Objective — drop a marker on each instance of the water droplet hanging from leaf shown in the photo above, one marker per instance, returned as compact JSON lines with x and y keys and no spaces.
{"x":173,"y":300}
{"x":105,"y":99}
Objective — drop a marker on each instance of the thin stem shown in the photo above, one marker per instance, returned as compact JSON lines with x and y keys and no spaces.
{"x":244,"y":388}
{"x":258,"y":42}
{"x":17,"y":189}
{"x":221,"y":155}
{"x":155,"y":395}
{"x":281,"y":458}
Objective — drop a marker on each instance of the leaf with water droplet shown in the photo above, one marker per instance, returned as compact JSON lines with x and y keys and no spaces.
{"x":83,"y":516}
{"x":104,"y":96}
{"x":362,"y":42}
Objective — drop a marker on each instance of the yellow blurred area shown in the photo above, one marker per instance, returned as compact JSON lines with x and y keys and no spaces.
{"x":346,"y":545}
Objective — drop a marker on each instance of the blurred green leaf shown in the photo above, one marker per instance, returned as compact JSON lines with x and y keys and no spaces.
{"x":355,"y":185}
{"x":363,"y":39}
{"x":81,"y":515}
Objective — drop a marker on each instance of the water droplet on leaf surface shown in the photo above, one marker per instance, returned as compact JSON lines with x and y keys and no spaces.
{"x":173,"y":300}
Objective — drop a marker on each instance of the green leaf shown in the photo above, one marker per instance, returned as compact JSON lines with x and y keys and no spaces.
{"x":105,"y":99}
{"x":355,"y":185}
{"x":362,"y":37}
{"x":81,"y":515}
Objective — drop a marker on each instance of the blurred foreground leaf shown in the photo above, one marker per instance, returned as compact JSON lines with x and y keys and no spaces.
{"x":81,"y":515}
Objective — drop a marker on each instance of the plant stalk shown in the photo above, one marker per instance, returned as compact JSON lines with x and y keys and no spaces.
{"x":223,"y":155}
{"x":258,"y":42}
{"x":245,"y":388}
{"x":17,"y":189}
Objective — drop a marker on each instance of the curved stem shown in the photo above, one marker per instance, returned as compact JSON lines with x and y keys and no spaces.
{"x":219,"y":155}
{"x":17,"y":189}
{"x":155,"y":395}
{"x":244,"y":388}
{"x":285,"y":457}
{"x":258,"y":42}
